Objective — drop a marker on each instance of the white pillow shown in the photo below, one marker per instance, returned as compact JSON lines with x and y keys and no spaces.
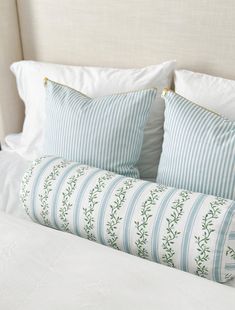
{"x":214,"y":93}
{"x":94,"y":82}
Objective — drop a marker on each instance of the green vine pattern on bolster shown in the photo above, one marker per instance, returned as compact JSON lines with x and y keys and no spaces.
{"x":67,"y":194}
{"x":47,"y":188}
{"x":114,"y":208}
{"x":142,"y":225}
{"x":202,"y":241}
{"x":230,"y":252}
{"x":24,"y":193}
{"x":92,"y":202}
{"x":228,"y":276}
{"x":171,"y":232}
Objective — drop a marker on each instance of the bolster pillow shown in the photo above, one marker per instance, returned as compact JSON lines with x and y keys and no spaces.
{"x":178,"y":228}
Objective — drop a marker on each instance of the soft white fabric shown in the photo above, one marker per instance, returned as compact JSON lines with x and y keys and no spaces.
{"x":94,"y":82}
{"x":42,"y":268}
{"x":12,"y":168}
{"x":214,"y":93}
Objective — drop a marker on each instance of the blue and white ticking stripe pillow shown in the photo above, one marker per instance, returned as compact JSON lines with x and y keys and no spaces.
{"x":178,"y":228}
{"x":105,"y":132}
{"x":198,"y":151}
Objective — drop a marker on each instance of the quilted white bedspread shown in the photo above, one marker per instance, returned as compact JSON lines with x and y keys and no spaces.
{"x":41,"y":268}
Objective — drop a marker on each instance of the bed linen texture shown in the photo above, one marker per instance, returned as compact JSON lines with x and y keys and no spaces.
{"x":212,"y":92}
{"x":12,"y":168}
{"x":46,"y":269}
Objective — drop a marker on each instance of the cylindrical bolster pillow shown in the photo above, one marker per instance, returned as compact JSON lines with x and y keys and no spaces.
{"x":178,"y":228}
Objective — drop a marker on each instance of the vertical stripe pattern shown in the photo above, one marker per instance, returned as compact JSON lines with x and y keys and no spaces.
{"x":198,"y":149}
{"x":105,"y":132}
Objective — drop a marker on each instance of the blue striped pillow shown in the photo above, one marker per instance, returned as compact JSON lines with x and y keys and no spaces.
{"x":198,"y":149}
{"x":105,"y":132}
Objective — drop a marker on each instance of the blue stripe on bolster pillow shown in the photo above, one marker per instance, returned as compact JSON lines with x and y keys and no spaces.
{"x":230,"y":253}
{"x":178,"y":228}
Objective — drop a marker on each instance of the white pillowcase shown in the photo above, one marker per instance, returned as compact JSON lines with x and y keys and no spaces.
{"x":94,"y":82}
{"x":214,"y":93}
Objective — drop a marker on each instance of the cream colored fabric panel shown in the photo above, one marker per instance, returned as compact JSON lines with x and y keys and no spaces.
{"x":127,"y":33}
{"x":11,"y":109}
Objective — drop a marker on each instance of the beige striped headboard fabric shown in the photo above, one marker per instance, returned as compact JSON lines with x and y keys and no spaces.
{"x":200,"y":35}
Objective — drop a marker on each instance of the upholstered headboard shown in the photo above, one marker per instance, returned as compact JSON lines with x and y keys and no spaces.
{"x":119,"y":33}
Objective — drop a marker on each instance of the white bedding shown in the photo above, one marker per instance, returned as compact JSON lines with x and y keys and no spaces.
{"x":41,"y":268}
{"x":12,"y":167}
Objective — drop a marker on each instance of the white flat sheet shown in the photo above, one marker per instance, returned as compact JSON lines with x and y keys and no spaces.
{"x":41,"y":268}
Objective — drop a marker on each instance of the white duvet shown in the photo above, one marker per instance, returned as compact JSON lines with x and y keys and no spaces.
{"x":41,"y":268}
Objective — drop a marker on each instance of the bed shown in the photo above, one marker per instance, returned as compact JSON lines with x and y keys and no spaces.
{"x":44,"y":268}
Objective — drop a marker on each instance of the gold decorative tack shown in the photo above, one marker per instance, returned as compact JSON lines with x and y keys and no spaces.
{"x":45,"y":81}
{"x":165,"y":91}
